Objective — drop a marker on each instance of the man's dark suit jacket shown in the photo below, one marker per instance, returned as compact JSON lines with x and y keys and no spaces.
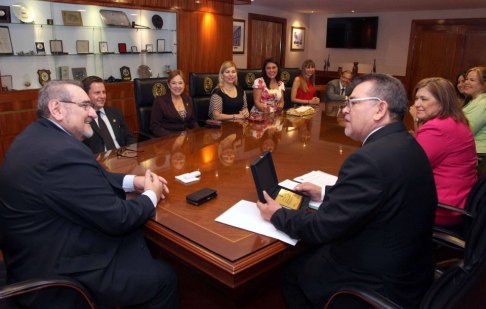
{"x":62,"y":213}
{"x":376,"y":220}
{"x":165,"y":119}
{"x":333,"y":91}
{"x":120,"y":128}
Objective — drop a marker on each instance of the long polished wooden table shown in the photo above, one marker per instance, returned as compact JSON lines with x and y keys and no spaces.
{"x":233,"y":258}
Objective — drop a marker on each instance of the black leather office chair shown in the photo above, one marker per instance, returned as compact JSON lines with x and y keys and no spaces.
{"x":453,"y":237}
{"x":146,"y":90}
{"x":461,"y":286}
{"x":27,"y":286}
{"x":201,"y":86}
{"x":287,"y":76}
{"x":245,"y":80}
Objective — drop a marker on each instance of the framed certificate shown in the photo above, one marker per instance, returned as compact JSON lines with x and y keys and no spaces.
{"x":56,"y":46}
{"x":149,"y":48}
{"x":160,"y":46}
{"x":103,"y":47}
{"x":134,"y":49}
{"x":72,"y":18}
{"x":82,"y":46}
{"x":5,"y":41}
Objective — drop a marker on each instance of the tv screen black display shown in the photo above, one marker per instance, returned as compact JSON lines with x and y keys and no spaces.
{"x":352,"y":32}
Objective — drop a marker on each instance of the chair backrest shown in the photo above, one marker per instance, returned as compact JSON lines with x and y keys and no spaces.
{"x":245,"y":79}
{"x":201,"y":86}
{"x":475,"y":201}
{"x":463,"y":286}
{"x":146,"y":90}
{"x":287,"y":76}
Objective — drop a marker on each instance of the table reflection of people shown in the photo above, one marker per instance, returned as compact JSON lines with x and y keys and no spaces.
{"x":173,"y":112}
{"x":180,"y":159}
{"x":228,"y":101}
{"x":227,"y":150}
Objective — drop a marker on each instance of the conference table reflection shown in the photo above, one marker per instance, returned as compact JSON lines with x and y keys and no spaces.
{"x":235,"y":259}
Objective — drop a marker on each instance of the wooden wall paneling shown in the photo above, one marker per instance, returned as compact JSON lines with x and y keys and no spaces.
{"x":204,"y":41}
{"x":11,"y":124}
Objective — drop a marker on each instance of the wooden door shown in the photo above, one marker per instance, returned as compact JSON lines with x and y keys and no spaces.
{"x":266,"y":38}
{"x":434,"y":52}
{"x":470,"y":48}
{"x":444,"y":48}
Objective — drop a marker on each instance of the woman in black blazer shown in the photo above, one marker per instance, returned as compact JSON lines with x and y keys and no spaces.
{"x":173,"y":112}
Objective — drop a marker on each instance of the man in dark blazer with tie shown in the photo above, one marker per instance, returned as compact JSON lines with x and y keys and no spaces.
{"x":113,"y":132}
{"x":339,"y":89}
{"x":62,"y":213}
{"x":374,"y":226}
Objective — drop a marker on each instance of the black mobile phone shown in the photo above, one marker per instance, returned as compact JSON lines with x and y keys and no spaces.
{"x":201,"y":196}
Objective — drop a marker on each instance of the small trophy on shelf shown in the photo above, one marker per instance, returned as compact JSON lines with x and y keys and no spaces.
{"x":167,"y":69}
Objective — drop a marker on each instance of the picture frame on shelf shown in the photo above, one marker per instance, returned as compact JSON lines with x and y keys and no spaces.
{"x":298,"y":39}
{"x":79,"y":73}
{"x":238,"y":36}
{"x":149,"y":48}
{"x":7,"y":83}
{"x":6,"y":47}
{"x":134,"y":49}
{"x":104,"y":47}
{"x":122,"y":48}
{"x":160,"y":45}
{"x":72,"y":18}
{"x":40,"y":48}
{"x":56,"y":46}
{"x":82,"y":46}
{"x":5,"y":15}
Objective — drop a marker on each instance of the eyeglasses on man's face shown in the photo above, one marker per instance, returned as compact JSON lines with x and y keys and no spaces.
{"x":351,"y":102}
{"x":127,"y":152}
{"x":85,"y":105}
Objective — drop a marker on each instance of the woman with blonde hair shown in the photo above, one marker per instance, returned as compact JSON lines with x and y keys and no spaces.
{"x":475,"y":110}
{"x":448,"y":142}
{"x":228,"y":101}
{"x":303,"y":86}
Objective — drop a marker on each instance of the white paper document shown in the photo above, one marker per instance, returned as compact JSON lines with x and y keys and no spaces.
{"x":318,"y":178}
{"x":245,"y":215}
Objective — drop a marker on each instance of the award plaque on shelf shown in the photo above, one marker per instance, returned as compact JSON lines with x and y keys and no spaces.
{"x":4,"y":14}
{"x":56,"y":46}
{"x":115,"y":18}
{"x":103,"y":47}
{"x":5,"y":41}
{"x":44,"y":76}
{"x":64,"y":72}
{"x":82,"y":46}
{"x":7,"y":83}
{"x":79,"y":73}
{"x":134,"y":50}
{"x":160,"y":46}
{"x":125,"y":73}
{"x":40,"y":48}
{"x":122,"y":48}
{"x":149,"y":48}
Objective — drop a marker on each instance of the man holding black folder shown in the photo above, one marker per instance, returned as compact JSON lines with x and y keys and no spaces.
{"x":375,"y":224}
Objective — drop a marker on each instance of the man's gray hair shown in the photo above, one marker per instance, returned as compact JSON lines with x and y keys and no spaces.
{"x":54,"y":89}
{"x":389,"y":89}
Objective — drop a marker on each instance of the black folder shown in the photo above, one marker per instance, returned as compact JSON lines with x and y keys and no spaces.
{"x":265,"y":178}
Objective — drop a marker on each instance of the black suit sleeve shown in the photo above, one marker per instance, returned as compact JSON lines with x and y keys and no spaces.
{"x":78,"y":188}
{"x":347,"y":207}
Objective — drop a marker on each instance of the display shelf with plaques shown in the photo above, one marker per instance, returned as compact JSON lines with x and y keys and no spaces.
{"x":85,"y":42}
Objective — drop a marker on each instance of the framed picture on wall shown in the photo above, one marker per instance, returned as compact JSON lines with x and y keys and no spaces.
{"x":298,"y":39}
{"x":238,"y":36}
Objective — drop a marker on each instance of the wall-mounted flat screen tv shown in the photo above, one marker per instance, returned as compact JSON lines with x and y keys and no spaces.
{"x":352,"y":32}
